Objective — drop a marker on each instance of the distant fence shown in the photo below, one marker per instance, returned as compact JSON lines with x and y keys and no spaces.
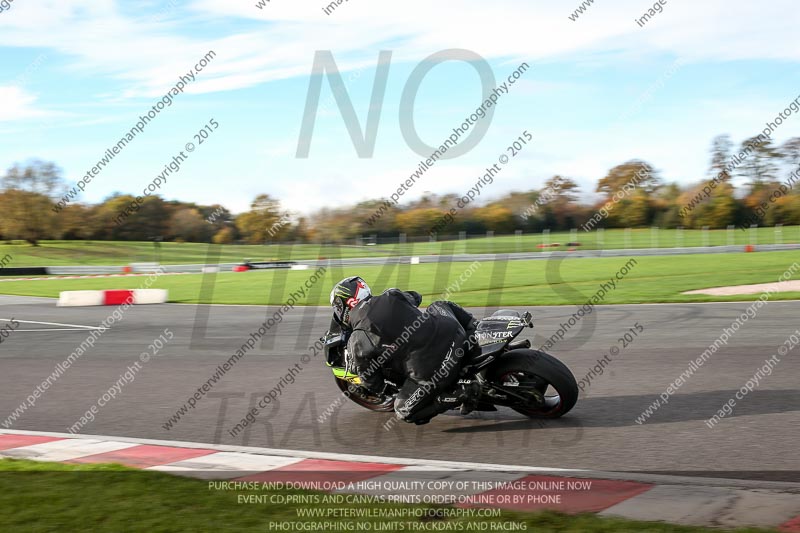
{"x":647,"y":237}
{"x":400,"y":257}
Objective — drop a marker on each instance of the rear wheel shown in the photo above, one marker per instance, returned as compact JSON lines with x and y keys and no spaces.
{"x":365,"y":398}
{"x":537,"y":384}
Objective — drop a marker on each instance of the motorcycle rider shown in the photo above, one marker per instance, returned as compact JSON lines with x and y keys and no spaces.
{"x":427,"y":347}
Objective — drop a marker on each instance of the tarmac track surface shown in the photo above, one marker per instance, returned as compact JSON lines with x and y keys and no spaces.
{"x":758,"y":441}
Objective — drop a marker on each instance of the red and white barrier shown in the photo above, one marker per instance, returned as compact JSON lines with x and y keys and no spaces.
{"x":112,"y":297}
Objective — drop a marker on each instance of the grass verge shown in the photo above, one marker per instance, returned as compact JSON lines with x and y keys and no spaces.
{"x":652,"y":279}
{"x":59,"y":253}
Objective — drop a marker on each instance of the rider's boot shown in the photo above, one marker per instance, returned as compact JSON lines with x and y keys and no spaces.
{"x":470,"y":396}
{"x":466,"y":394}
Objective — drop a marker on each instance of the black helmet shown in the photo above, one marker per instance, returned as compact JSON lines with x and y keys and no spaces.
{"x":347,"y":294}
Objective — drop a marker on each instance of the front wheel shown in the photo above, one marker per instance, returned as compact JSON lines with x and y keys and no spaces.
{"x":537,"y":384}
{"x":365,"y":398}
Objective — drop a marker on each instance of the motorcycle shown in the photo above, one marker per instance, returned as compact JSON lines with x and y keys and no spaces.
{"x":511,"y":374}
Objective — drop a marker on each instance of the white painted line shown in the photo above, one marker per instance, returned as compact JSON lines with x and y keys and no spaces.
{"x":96,"y":276}
{"x":14,"y":299}
{"x":423,"y":468}
{"x":49,"y":329}
{"x":65,"y":450}
{"x":50,"y":324}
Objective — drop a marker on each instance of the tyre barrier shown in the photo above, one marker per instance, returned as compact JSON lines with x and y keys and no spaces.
{"x":23,"y":271}
{"x":262,"y":265}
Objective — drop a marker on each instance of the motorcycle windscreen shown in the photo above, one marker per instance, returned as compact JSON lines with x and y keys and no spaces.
{"x":333,"y":345}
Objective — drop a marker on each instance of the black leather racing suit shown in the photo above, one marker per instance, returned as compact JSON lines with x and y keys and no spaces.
{"x":428,"y":347}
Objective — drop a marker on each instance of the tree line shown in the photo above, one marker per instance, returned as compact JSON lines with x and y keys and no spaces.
{"x":632,"y":194}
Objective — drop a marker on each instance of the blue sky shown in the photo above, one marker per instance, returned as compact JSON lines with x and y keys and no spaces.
{"x":76,"y":75}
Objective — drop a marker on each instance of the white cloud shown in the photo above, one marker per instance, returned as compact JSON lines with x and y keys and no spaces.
{"x":18,"y":105}
{"x":150,"y":55}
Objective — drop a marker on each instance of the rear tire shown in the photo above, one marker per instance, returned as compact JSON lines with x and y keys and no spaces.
{"x":538,"y":369}
{"x":364,"y":398}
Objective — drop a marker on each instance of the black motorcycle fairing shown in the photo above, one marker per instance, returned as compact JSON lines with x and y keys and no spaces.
{"x":499,"y":328}
{"x":495,"y":333}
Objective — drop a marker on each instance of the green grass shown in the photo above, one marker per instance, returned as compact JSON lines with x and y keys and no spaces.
{"x":653,"y":279}
{"x":59,"y":253}
{"x":53,"y":497}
